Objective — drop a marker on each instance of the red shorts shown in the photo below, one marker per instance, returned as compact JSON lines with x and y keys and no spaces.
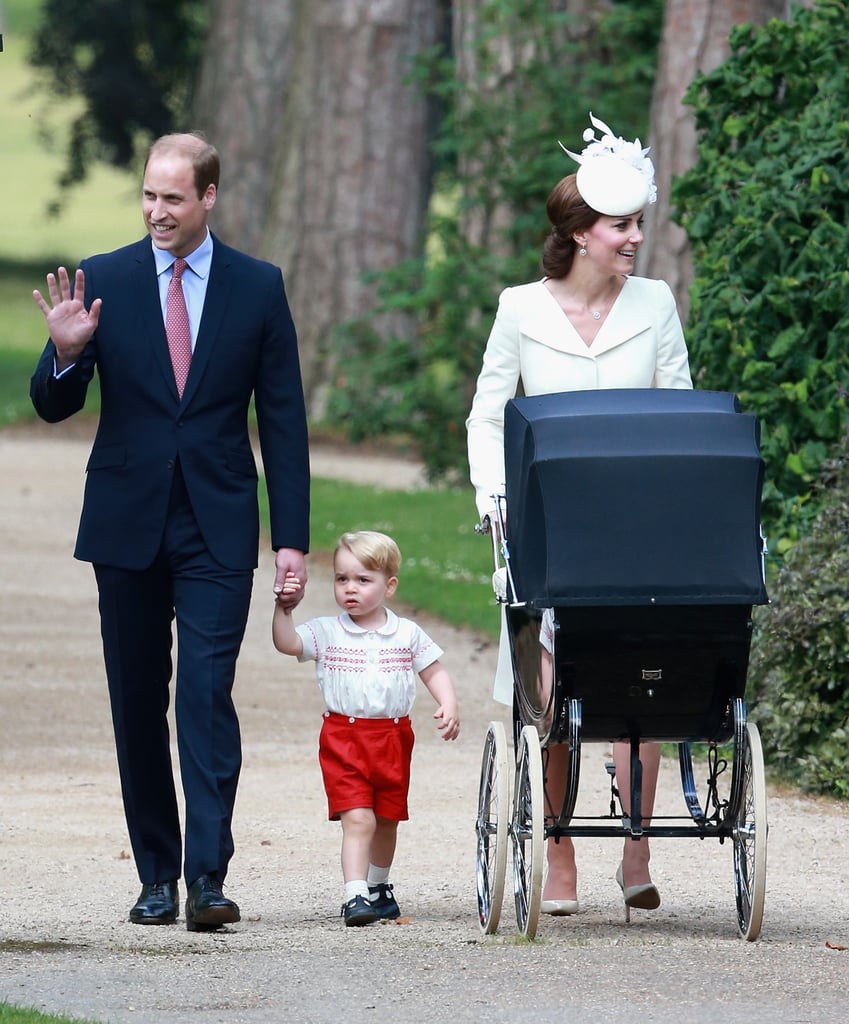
{"x":365,"y":762}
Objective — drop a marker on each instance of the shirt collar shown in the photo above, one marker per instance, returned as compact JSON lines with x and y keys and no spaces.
{"x":387,"y":629}
{"x":199,"y":261}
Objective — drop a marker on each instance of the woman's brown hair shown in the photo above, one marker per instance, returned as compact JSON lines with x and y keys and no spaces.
{"x":567,"y":213}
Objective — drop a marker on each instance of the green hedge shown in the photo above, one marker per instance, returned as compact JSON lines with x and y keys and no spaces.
{"x":799,"y":673}
{"x":766,"y":208}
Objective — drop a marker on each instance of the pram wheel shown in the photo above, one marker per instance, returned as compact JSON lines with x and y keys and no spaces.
{"x":526,"y":831}
{"x":492,"y":827}
{"x":749,"y":835}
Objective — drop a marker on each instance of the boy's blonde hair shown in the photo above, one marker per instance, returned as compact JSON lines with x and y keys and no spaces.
{"x":374,"y":550}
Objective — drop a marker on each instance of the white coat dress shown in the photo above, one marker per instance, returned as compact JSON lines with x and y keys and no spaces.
{"x":639,"y":345}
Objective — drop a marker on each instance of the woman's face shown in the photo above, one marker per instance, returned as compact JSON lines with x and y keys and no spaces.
{"x":612,"y":242}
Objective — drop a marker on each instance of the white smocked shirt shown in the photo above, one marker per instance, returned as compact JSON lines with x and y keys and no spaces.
{"x":367,"y":673}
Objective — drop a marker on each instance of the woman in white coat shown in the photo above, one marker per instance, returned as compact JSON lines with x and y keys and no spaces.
{"x":586,"y":324}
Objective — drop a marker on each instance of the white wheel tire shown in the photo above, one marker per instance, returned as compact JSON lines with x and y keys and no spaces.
{"x":750,"y":840}
{"x":526,"y":831}
{"x":492,"y":827}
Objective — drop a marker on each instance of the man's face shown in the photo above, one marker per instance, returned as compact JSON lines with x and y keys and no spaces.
{"x":174,"y":214}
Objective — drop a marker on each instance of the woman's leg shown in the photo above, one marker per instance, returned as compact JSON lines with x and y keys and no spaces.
{"x":562,"y":879}
{"x":636,"y":854}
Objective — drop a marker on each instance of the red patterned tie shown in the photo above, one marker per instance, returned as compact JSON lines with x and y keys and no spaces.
{"x":177,"y":327}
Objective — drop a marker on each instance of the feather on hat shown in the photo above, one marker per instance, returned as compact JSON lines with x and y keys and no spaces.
{"x":615,"y":177}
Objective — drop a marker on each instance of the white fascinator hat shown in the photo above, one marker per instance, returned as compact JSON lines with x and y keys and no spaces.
{"x":615,"y":177}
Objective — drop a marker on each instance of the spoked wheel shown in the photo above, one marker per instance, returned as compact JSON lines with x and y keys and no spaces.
{"x":749,"y":834}
{"x":492,"y":827}
{"x":526,"y":831}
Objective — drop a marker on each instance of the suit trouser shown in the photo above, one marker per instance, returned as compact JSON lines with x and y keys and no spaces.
{"x":210,"y":604}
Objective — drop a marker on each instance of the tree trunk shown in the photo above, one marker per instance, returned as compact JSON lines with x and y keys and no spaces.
{"x":243,"y":82}
{"x":474,"y":42}
{"x":325,"y":149}
{"x":351,"y":180}
{"x":695,"y":39}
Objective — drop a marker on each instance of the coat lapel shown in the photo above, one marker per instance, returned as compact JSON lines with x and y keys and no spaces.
{"x":626,"y":320}
{"x":545,"y":322}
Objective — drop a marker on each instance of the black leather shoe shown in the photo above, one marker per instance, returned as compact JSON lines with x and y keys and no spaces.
{"x":207,"y":908}
{"x":157,"y":904}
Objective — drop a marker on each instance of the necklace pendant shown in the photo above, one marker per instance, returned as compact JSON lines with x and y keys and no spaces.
{"x":596,"y":314}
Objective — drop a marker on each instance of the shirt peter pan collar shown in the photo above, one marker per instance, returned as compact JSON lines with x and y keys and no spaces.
{"x":387,"y":629}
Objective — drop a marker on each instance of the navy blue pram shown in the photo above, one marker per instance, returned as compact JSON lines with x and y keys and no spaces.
{"x":633,"y":549}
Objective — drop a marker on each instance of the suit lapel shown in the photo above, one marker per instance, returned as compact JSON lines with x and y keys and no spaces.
{"x":146,"y":292}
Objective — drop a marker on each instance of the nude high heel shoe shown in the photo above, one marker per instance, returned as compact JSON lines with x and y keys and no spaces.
{"x":559,"y":908}
{"x":643,"y":897}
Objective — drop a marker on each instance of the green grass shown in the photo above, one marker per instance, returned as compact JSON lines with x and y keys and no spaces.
{"x":17,"y":1015}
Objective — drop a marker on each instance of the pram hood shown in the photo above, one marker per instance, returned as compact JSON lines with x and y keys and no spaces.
{"x":634,"y":496}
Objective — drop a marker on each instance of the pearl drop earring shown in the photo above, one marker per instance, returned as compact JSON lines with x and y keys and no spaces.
{"x":582,"y":251}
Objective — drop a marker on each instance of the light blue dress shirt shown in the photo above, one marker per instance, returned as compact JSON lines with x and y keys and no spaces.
{"x":195,"y":280}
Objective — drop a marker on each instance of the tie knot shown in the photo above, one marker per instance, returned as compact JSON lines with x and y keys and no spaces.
{"x":178,"y":267}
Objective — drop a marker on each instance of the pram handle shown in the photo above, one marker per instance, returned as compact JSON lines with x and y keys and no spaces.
{"x":500,"y":547}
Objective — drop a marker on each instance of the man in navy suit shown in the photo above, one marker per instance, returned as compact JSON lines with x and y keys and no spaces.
{"x":170,"y":516}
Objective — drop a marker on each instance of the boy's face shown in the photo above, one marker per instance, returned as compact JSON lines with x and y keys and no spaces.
{"x":360,"y":591}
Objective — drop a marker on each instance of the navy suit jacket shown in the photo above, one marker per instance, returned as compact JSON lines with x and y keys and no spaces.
{"x":246,"y":346}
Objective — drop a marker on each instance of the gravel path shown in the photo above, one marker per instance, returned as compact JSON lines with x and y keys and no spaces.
{"x":66,"y":880}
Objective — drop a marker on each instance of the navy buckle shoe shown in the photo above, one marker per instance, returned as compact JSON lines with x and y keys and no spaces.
{"x":358,"y":911}
{"x":383,"y":902}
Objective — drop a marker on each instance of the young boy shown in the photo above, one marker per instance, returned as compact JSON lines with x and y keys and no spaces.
{"x":367,"y":660}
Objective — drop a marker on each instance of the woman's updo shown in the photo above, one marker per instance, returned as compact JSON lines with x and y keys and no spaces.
{"x":567,"y":213}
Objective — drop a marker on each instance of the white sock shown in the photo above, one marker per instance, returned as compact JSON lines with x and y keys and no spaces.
{"x":378,"y":876}
{"x":358,"y":887}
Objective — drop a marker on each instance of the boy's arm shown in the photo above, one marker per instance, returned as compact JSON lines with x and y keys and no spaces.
{"x":436,"y":679}
{"x":283,"y":632}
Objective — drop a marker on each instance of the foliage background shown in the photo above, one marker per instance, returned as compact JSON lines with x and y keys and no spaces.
{"x":800,"y":664}
{"x":134,"y":65}
{"x":766,"y":209}
{"x":446,"y":567}
{"x":498,"y":158}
